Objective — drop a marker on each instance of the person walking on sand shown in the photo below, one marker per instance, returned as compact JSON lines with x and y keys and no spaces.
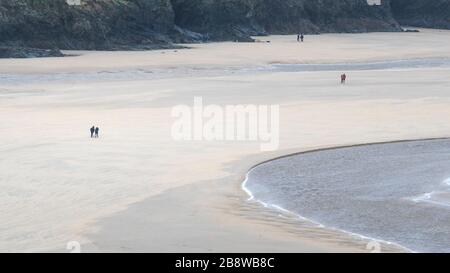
{"x":298,"y":37}
{"x":343,"y":78}
{"x":96,"y":132}
{"x":92,"y":131}
{"x":302,"y":37}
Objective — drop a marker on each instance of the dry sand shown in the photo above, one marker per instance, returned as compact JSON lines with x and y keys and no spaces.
{"x":136,"y":189}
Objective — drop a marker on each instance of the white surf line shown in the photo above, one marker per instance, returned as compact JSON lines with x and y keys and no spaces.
{"x":139,"y":74}
{"x":428,"y":197}
{"x":319,"y":225}
{"x":402,"y":64}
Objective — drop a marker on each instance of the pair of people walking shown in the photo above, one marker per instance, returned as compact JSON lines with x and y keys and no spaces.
{"x":94,"y":132}
{"x":300,"y":37}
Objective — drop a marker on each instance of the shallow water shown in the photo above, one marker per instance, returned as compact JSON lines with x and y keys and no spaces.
{"x":165,"y":73}
{"x":380,"y":65}
{"x":397,"y":192}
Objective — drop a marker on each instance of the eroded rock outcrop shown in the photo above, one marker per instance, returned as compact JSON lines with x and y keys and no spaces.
{"x":96,"y":24}
{"x":237,"y":19}
{"x":422,"y":13}
{"x":146,"y":24}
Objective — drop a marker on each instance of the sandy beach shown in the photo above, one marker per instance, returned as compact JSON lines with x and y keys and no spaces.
{"x":136,"y":189}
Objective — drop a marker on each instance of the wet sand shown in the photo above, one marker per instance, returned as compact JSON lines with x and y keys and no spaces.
{"x":136,"y":189}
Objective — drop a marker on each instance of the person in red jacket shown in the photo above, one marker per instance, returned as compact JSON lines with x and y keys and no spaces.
{"x":343,"y":78}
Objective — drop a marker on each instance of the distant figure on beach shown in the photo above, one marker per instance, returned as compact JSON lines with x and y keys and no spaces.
{"x":343,"y":78}
{"x":92,"y":131}
{"x":298,"y":37}
{"x":96,"y":132}
{"x":302,"y":37}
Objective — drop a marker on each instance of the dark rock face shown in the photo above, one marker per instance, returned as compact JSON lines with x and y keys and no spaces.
{"x":20,"y":52}
{"x":99,"y":24}
{"x":218,"y":19}
{"x":150,"y":24}
{"x":238,"y":19}
{"x":422,"y":13}
{"x":326,"y":16}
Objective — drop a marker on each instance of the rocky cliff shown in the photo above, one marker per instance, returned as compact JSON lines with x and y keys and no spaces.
{"x":147,"y":24}
{"x":423,"y":13}
{"x":228,"y":19}
{"x":96,"y":24}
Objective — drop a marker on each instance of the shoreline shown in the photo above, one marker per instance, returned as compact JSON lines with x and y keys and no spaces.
{"x":322,"y":226}
{"x":276,"y":207}
{"x":325,"y":239}
{"x":347,"y":146}
{"x":245,"y":54}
